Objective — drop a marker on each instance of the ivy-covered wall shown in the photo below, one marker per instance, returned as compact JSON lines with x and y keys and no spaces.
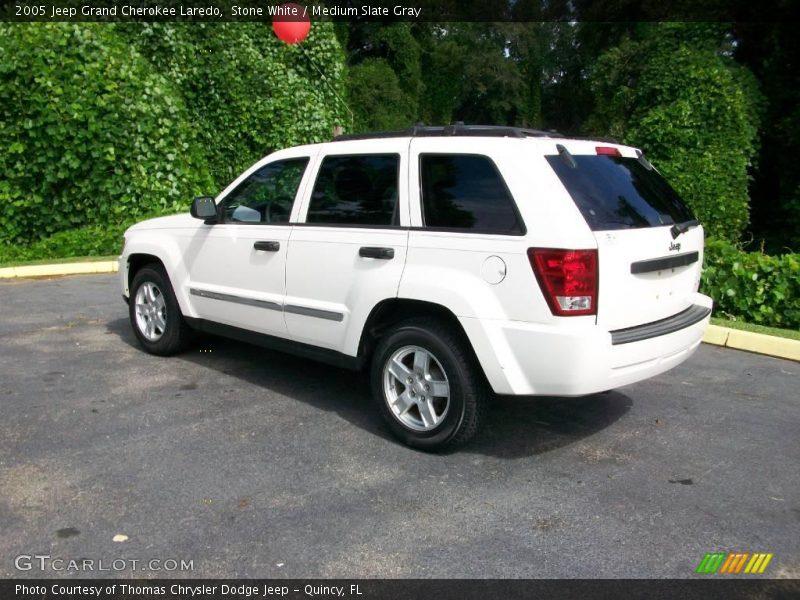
{"x":101,"y":124}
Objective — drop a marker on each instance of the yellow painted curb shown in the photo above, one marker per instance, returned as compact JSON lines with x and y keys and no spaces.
{"x":716,"y":335}
{"x":78,"y":268}
{"x":753,"y":342}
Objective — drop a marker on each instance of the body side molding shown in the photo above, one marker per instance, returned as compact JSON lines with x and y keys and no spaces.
{"x":268,"y":304}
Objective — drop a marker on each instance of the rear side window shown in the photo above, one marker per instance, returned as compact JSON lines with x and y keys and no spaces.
{"x":614,"y":192}
{"x":356,"y":190}
{"x":464,"y":191}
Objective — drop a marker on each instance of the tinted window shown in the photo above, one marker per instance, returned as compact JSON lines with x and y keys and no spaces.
{"x":267,"y":195}
{"x":615,"y":192}
{"x":466,"y":192}
{"x":356,"y":190}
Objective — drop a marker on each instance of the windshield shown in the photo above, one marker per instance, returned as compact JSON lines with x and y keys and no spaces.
{"x":614,"y":192}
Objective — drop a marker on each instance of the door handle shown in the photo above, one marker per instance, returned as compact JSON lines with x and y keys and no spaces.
{"x":374,"y":252}
{"x":267,"y":246}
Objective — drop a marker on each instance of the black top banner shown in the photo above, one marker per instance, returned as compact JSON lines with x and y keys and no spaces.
{"x":400,"y":10}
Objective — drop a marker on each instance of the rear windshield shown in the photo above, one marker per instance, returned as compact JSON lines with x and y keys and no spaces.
{"x":614,"y":192}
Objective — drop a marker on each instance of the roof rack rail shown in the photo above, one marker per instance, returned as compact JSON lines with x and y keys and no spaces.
{"x":458,"y":129}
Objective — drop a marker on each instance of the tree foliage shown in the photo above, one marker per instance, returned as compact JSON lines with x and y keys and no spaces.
{"x":445,"y":72}
{"x":378,"y":100}
{"x":772,"y":52}
{"x":481,"y":73}
{"x":384,"y":84}
{"x":672,"y":91}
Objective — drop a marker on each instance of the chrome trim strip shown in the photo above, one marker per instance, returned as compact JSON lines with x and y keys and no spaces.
{"x":237,"y":299}
{"x":682,"y":320}
{"x":313,"y":312}
{"x":328,"y":315}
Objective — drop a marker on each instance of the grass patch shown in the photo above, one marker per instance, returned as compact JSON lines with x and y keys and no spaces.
{"x":791,"y":334}
{"x":57,"y":261}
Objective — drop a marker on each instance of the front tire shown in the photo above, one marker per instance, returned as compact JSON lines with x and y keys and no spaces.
{"x":154,"y":312}
{"x":428,"y":385}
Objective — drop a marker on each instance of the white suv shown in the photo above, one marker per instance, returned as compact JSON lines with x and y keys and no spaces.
{"x":451,"y":260}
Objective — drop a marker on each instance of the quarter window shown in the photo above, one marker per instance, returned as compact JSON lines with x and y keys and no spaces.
{"x":267,"y":195}
{"x":463,"y":191}
{"x":356,"y":190}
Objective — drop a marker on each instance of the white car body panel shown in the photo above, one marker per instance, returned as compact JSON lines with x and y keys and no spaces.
{"x":163,"y":238}
{"x":317,"y":290}
{"x":244,"y":273}
{"x":325,"y":272}
{"x":629,"y":299}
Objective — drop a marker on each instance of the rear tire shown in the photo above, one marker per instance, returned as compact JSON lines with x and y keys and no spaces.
{"x":154,"y":312}
{"x":427,"y":385}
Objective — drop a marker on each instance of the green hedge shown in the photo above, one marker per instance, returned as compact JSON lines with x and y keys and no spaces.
{"x":753,"y":286}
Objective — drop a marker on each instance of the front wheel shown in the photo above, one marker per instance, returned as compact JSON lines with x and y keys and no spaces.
{"x":427,"y":385}
{"x":154,"y":312}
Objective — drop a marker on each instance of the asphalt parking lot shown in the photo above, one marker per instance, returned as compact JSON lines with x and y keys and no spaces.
{"x":255,"y":464}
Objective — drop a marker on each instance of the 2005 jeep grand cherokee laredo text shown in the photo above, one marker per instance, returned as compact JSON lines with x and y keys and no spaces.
{"x":451,"y":260}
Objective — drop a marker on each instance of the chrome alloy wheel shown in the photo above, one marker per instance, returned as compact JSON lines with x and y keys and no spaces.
{"x":151,"y":311}
{"x":415,"y":388}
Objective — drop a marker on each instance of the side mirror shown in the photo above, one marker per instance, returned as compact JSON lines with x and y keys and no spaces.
{"x":204,"y":208}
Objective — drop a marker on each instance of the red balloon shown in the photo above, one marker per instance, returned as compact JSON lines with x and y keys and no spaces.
{"x":291,"y":24}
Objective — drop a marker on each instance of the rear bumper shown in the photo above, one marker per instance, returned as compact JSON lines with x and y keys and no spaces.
{"x":577,"y":358}
{"x":682,"y":320}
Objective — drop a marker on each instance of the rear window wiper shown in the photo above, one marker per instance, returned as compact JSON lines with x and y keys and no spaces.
{"x":643,"y":161}
{"x":680,"y":228}
{"x":566,"y":156}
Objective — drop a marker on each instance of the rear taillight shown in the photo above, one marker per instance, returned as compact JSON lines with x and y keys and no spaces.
{"x":568,"y":279}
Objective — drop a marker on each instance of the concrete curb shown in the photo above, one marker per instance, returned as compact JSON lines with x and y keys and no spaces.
{"x":753,"y":342}
{"x":77,"y":268}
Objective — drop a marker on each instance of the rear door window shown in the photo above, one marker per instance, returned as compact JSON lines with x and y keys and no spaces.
{"x":614,"y":192}
{"x":358,"y":190}
{"x":466,"y":192}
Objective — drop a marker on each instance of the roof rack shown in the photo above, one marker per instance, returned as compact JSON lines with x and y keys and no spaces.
{"x":459,"y":129}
